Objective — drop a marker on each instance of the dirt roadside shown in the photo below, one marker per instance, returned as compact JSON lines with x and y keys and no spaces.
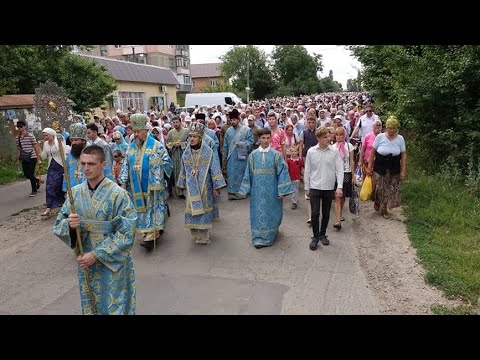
{"x":391,"y":265}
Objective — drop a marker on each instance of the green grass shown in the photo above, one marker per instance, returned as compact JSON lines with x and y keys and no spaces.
{"x":9,"y":172}
{"x":457,"y":310}
{"x":443,"y":225}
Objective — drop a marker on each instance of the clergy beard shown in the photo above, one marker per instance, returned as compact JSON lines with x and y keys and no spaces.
{"x":196,"y":147}
{"x":138,"y":142}
{"x":76,"y":150}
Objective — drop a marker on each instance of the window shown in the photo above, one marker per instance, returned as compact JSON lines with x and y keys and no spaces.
{"x":179,"y":62}
{"x":193,"y":83}
{"x":132,"y":98}
{"x":186,"y":79}
{"x":213,"y":82}
{"x":170,"y":46}
{"x":118,"y":46}
{"x":103,"y":50}
{"x":171,"y":62}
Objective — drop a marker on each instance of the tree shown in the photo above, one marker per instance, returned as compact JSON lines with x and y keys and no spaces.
{"x":434,"y":91}
{"x":234,"y":67}
{"x":85,"y":82}
{"x":295,"y":68}
{"x":327,"y":84}
{"x":24,"y":67}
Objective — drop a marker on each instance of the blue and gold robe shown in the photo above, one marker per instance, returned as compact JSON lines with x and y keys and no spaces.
{"x":182,"y":137}
{"x":75,"y":171}
{"x":266,"y":178}
{"x":107,"y":230}
{"x":235,"y":166}
{"x":144,"y":170}
{"x":201,"y":207}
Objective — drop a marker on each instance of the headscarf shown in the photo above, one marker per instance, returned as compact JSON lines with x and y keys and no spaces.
{"x":341,"y":146}
{"x":52,"y":132}
{"x":392,"y":121}
{"x":160,"y":134}
{"x":122,"y":146}
{"x":120,"y":129}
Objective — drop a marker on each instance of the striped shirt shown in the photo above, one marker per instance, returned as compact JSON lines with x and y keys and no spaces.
{"x":28,"y":144}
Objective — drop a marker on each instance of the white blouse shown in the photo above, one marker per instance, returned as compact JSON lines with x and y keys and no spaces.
{"x":52,"y":152}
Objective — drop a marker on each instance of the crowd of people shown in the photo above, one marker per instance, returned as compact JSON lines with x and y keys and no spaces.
{"x":265,"y":149}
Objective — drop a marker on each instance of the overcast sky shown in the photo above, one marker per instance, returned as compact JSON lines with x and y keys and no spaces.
{"x":334,"y":57}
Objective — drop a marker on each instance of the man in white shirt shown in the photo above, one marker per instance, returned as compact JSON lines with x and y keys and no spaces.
{"x":365,"y":123}
{"x":322,"y":166}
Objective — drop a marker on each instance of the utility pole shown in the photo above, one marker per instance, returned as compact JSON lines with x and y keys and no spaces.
{"x":133,"y":52}
{"x":248,"y":80}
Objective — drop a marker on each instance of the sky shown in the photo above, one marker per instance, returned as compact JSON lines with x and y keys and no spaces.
{"x":334,"y":57}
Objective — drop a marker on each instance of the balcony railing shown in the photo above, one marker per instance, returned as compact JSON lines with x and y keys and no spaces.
{"x":184,"y":88}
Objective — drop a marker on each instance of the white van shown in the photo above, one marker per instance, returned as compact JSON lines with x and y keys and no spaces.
{"x":220,"y":98}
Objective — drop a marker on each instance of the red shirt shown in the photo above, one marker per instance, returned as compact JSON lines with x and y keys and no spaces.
{"x":295,"y":168}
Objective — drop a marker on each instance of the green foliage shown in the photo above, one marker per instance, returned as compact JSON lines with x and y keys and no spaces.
{"x":9,"y":172}
{"x":327,"y":84}
{"x":234,"y":67}
{"x":457,"y":310}
{"x":181,"y":99}
{"x":435,"y":92}
{"x":218,"y":88}
{"x":294,"y":68}
{"x":443,"y":226}
{"x":24,"y":67}
{"x":353,"y":85}
{"x":85,"y":82}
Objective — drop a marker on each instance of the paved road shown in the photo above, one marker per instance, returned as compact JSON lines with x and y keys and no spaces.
{"x":230,"y":276}
{"x":14,"y":197}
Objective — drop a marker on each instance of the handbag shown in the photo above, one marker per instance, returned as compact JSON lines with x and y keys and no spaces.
{"x":24,"y":156}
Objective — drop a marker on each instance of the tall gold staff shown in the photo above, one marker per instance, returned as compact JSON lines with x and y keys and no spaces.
{"x":53,"y":107}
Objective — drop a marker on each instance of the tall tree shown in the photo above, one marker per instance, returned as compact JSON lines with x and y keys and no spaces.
{"x":296,"y":69}
{"x":85,"y":82}
{"x":234,"y":67}
{"x":327,"y":84}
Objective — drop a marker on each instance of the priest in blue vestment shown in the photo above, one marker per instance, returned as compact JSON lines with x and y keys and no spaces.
{"x":78,"y":140}
{"x":143,"y":168}
{"x":236,"y":147}
{"x":201,"y":176}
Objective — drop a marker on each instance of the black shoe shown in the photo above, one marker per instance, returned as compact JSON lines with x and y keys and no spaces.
{"x":38,"y":184}
{"x":147,"y":245}
{"x":294,"y":206}
{"x":314,"y":243}
{"x":338,"y":226}
{"x":324,"y":240}
{"x":259,"y":246}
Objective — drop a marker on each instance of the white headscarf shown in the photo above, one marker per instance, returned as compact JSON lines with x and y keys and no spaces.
{"x":52,"y":132}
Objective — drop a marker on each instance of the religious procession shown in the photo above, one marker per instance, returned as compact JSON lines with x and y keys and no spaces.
{"x":120,"y":173}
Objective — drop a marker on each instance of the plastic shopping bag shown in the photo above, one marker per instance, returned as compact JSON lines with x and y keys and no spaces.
{"x":367,"y":189}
